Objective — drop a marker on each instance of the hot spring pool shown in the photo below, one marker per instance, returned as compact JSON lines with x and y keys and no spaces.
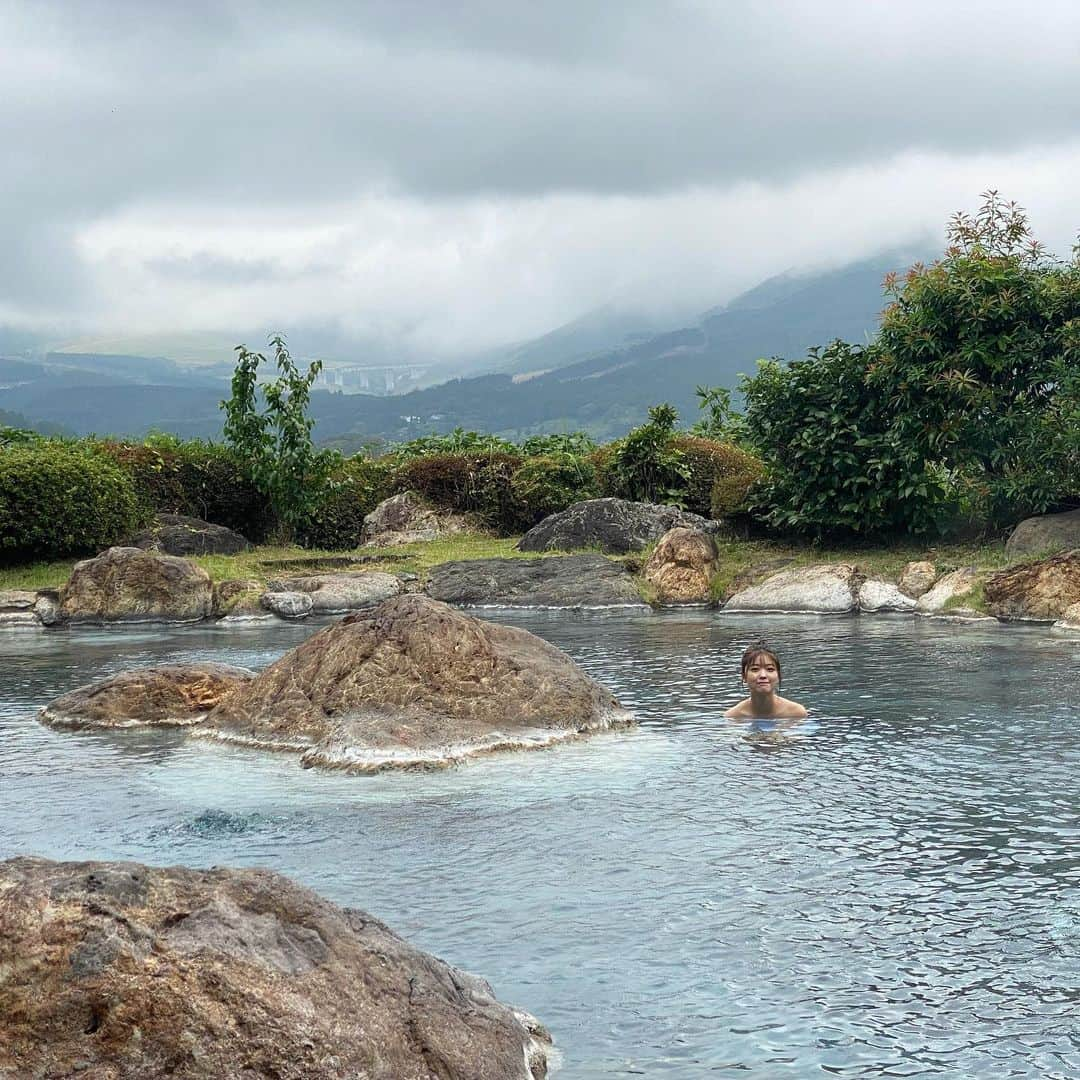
{"x":893,"y":893}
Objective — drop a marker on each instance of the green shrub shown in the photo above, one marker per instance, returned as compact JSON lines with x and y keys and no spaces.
{"x":834,"y":466}
{"x":600,"y":459}
{"x":720,"y":475}
{"x":59,"y":499}
{"x":458,"y":441}
{"x":550,"y":483}
{"x":354,"y":490}
{"x":646,"y":466}
{"x":478,"y":484}
{"x":571,"y":442}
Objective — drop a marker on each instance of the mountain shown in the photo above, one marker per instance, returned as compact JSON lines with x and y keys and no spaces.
{"x":574,"y":382}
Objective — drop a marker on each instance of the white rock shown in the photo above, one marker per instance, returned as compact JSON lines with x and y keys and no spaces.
{"x":47,"y":610}
{"x":332,"y":594}
{"x":828,"y":588}
{"x":883,"y":596}
{"x":17,"y":599}
{"x":289,"y":605}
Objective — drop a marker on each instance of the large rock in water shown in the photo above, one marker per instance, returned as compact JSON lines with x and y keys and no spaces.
{"x":831,"y":588}
{"x":414,"y":683}
{"x":1043,"y":534}
{"x":1040,"y":591}
{"x":130,"y":972}
{"x":682,"y":565}
{"x":560,"y":581}
{"x":178,"y":534}
{"x":615,"y":526}
{"x":129,"y":584}
{"x":176,"y":695}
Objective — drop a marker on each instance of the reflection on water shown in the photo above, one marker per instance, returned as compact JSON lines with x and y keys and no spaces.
{"x":889,"y":889}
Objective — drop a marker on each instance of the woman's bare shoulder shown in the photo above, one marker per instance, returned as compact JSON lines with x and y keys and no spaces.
{"x":739,"y":712}
{"x":792,"y":709}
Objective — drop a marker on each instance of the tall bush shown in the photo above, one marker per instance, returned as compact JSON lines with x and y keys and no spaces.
{"x":549,"y":483}
{"x":646,"y":466}
{"x":957,"y":413}
{"x":720,"y":475}
{"x":275,"y":439}
{"x":59,"y":499}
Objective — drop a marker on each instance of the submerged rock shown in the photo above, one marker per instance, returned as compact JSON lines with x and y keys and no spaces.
{"x":176,"y":695}
{"x":830,"y":588}
{"x":682,"y":565}
{"x":1040,"y":591}
{"x":560,"y":581}
{"x":178,"y":534}
{"x":334,"y":594}
{"x":134,"y":973}
{"x":414,"y":683}
{"x":1044,"y":534}
{"x":615,"y":526}
{"x":127,"y":584}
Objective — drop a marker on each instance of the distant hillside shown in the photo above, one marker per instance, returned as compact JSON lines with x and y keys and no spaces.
{"x":601,"y":390}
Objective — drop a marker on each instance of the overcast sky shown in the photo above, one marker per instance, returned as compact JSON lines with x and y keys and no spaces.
{"x":460,"y":173}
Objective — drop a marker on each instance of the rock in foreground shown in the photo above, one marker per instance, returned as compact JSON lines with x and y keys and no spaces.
{"x":561,"y":581}
{"x":127,"y":584}
{"x":169,"y":695}
{"x":133,"y":973}
{"x":414,"y":683}
{"x":615,"y":526}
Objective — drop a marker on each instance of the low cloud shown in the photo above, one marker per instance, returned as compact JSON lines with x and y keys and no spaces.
{"x":462,"y":175}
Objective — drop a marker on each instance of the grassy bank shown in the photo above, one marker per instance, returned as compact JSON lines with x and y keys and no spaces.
{"x":263,"y":563}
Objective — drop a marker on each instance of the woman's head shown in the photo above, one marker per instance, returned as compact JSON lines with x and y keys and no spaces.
{"x":759,"y":656}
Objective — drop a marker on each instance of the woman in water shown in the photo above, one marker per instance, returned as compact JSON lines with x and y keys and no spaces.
{"x":761,"y":675}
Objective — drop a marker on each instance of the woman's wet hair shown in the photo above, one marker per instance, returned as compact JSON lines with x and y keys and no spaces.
{"x":754,"y":653}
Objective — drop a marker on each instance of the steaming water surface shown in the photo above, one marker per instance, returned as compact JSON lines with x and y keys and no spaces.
{"x":892,"y":892}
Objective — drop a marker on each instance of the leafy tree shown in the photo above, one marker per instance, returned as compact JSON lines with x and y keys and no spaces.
{"x":458,"y":441}
{"x":275,"y":441}
{"x":963,"y":408}
{"x":719,"y":419}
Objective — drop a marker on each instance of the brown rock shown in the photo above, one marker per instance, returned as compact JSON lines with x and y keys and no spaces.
{"x":128,"y":584}
{"x":414,"y":683}
{"x":917,"y":579}
{"x":1039,"y":591}
{"x":176,"y":695}
{"x":406,"y":518}
{"x":128,"y":972}
{"x":238,"y":598}
{"x":682,"y":565}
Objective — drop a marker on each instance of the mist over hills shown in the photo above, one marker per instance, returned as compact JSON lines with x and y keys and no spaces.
{"x":599,"y":373}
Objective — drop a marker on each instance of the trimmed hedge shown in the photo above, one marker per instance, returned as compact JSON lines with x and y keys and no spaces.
{"x":354,"y":491}
{"x":721,"y":475}
{"x":202,"y":479}
{"x":478,"y":484}
{"x":59,"y":499}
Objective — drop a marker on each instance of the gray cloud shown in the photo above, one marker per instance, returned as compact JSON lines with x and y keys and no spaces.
{"x":137,"y":112}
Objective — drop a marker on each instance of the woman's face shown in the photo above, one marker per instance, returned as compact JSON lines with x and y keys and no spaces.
{"x":762,"y":675}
